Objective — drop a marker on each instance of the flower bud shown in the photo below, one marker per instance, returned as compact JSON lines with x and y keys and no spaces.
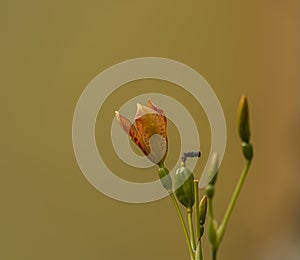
{"x":202,"y":209}
{"x":213,"y":169}
{"x":149,"y":132}
{"x":184,"y":186}
{"x":243,"y":120}
{"x":165,"y":178}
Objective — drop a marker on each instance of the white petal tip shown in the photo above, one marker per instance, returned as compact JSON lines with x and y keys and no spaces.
{"x":143,"y":110}
{"x":117,"y":115}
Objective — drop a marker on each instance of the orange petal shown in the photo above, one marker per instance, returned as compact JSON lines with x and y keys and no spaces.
{"x":123,"y":121}
{"x":134,"y":135}
{"x":151,"y":121}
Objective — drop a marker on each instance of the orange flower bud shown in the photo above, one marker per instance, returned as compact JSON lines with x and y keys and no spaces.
{"x":150,"y":133}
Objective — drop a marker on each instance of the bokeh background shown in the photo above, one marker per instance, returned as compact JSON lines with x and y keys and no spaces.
{"x":51,"y":50}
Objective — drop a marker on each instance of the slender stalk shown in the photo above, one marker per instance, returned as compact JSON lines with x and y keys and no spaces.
{"x":213,"y":254}
{"x":197,"y":220}
{"x":191,"y":227}
{"x":233,"y":200}
{"x":210,"y":208}
{"x":197,"y":214}
{"x":199,"y":251}
{"x":191,"y":252}
{"x":211,"y":234}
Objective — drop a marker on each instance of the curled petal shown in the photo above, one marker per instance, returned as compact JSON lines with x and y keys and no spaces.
{"x":123,"y":121}
{"x":132,"y":132}
{"x":158,"y":148}
{"x":142,"y":110}
{"x":154,"y":107}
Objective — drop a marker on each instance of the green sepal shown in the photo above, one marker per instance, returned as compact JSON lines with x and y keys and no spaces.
{"x":247,"y":151}
{"x":165,"y":178}
{"x":210,"y":190}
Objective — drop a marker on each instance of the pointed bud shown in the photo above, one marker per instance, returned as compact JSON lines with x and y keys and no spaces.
{"x":184,"y":186}
{"x":202,"y":209}
{"x":213,"y":169}
{"x":165,"y":178}
{"x":243,"y":120}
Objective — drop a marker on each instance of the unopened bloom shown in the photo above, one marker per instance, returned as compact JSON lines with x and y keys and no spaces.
{"x":203,"y":209}
{"x":149,"y":132}
{"x":184,"y":186}
{"x":243,"y":120}
{"x":244,"y":128}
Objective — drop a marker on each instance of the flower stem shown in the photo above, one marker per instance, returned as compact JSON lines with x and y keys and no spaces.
{"x":197,"y":214}
{"x":191,"y":252}
{"x":197,"y":221}
{"x":210,"y":208}
{"x":222,"y":227}
{"x":214,"y":254}
{"x":199,"y":251}
{"x":191,"y":227}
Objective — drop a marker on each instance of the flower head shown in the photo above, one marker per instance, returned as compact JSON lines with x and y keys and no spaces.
{"x":149,"y":132}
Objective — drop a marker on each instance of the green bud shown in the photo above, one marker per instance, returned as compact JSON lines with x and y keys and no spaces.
{"x":203,"y":209}
{"x":243,"y":120}
{"x":247,"y":151}
{"x":165,"y":178}
{"x":212,"y":233}
{"x":213,"y":169}
{"x":184,"y":186}
{"x":210,"y":190}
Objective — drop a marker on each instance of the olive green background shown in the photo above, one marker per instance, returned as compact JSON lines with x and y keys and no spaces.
{"x":51,"y":50}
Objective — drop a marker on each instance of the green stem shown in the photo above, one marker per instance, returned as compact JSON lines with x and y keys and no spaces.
{"x":210,"y":208}
{"x":191,"y":252}
{"x":197,"y":220}
{"x":233,"y":200}
{"x":213,"y":254}
{"x":199,"y":251}
{"x":191,"y":227}
{"x":197,"y":214}
{"x":211,"y":232}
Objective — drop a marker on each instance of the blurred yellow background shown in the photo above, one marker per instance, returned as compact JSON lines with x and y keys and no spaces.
{"x":51,"y":50}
